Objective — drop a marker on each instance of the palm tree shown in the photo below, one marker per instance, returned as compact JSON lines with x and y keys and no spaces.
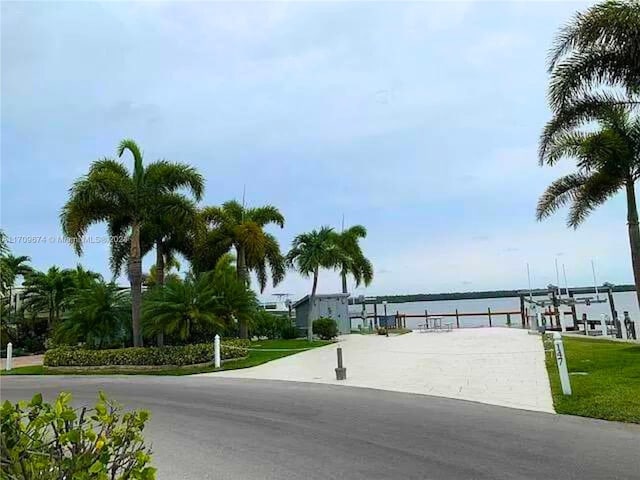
{"x":175,"y":307}
{"x":99,"y":316}
{"x":47,"y":292}
{"x":598,"y":48}
{"x":83,"y":278}
{"x":608,"y":160}
{"x":211,"y":299}
{"x":12,"y":267}
{"x":167,"y":232}
{"x":236,"y":302}
{"x":153,"y":278}
{"x":126,"y":200}
{"x":309,"y":253}
{"x":4,"y":247}
{"x":243,"y":229}
{"x":355,"y":263}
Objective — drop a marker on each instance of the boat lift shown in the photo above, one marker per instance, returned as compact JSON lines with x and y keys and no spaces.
{"x":555,"y":299}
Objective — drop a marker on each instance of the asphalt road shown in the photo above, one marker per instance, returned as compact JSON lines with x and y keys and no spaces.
{"x":222,"y":428}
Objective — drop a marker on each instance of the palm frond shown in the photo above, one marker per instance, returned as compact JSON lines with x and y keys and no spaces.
{"x":559,"y":193}
{"x":595,"y":191}
{"x":265,"y":215}
{"x":164,"y":176}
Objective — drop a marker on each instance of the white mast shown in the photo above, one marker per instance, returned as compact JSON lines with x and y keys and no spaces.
{"x":595,"y":282}
{"x":558,"y":280}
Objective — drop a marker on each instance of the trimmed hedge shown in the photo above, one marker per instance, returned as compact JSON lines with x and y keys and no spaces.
{"x":144,"y":356}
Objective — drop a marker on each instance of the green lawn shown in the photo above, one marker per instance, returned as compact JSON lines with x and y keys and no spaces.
{"x":262,"y":351}
{"x":611,"y":387}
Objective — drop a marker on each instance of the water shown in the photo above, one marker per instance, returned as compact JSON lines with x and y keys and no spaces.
{"x":624,"y":301}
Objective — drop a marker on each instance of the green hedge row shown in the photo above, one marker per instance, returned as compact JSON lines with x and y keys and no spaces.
{"x":146,"y":356}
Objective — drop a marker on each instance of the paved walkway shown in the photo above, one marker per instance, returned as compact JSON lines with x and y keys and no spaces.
{"x":499,"y":366}
{"x":24,"y":361}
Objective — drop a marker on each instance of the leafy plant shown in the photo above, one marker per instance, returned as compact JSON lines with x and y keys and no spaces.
{"x":176,"y":307}
{"x":289,"y":332}
{"x":99,"y":316}
{"x":265,"y":324}
{"x":382,"y":331}
{"x":47,"y":292}
{"x":325,"y":328}
{"x":55,"y":441}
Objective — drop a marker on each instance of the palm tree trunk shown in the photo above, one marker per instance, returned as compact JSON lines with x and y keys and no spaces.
{"x":634,"y":234}
{"x":160,"y":279}
{"x":243,"y":274}
{"x":312,"y":301}
{"x":135,"y":279}
{"x":344,"y":282}
{"x":241,"y":264}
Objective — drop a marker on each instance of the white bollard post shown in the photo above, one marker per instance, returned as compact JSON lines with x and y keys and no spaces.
{"x":603,"y":325}
{"x":216,"y":351}
{"x":9,"y":363}
{"x":563,"y":327}
{"x":561,"y":360}
{"x":637,"y":330}
{"x":540,"y":320}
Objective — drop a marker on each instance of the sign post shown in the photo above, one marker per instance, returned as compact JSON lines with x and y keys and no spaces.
{"x":216,"y":351}
{"x":561,"y":360}
{"x":603,"y":325}
{"x":341,"y":372}
{"x":9,"y":363}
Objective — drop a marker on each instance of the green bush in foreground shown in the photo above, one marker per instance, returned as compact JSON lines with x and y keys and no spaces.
{"x":325,"y":328}
{"x":144,"y":356}
{"x":46,"y":442}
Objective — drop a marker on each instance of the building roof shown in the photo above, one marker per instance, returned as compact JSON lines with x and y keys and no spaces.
{"x":322,"y":295}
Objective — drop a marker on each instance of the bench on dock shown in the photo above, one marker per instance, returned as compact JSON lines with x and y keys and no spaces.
{"x":434,"y":324}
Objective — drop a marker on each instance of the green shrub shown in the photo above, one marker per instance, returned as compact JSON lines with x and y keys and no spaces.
{"x":46,"y":442}
{"x":144,"y":356}
{"x":265,"y":324}
{"x":382,"y":331}
{"x":325,"y":328}
{"x":289,"y":332}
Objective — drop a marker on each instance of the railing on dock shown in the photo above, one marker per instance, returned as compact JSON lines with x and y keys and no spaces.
{"x":399,"y":320}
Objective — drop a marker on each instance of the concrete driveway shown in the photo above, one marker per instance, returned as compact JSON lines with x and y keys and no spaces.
{"x":498,"y":366}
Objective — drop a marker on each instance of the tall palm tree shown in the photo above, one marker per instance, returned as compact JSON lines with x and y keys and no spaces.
{"x":598,"y":48}
{"x":243,"y":229}
{"x":126,"y":200}
{"x":355,"y":263}
{"x":608,"y":161}
{"x":47,"y":292}
{"x":167,"y":232}
{"x":309,"y":253}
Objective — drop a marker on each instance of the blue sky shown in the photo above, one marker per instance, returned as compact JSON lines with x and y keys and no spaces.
{"x":418,"y":120}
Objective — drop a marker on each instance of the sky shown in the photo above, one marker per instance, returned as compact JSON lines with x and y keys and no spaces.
{"x":419,"y":121}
